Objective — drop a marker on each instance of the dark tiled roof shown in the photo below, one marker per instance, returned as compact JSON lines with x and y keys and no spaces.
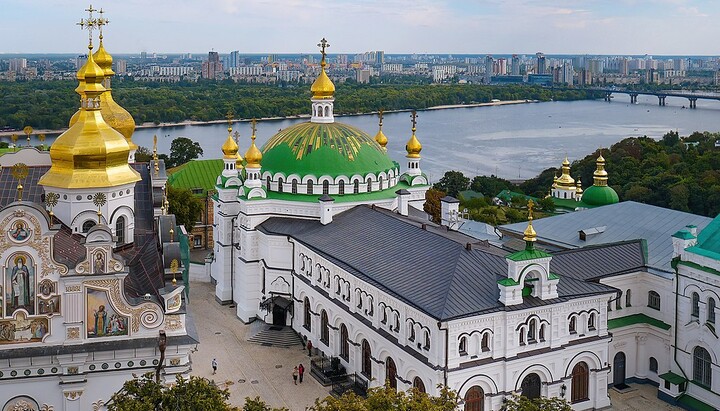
{"x":67,"y":248}
{"x":595,"y":262}
{"x":432,"y":272}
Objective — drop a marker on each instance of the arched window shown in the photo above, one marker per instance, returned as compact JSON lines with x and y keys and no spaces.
{"x":618,"y":302}
{"x":309,"y":187}
{"x":326,"y":187}
{"x":653,"y":300}
{"x":324,"y":328}
{"x":391,"y":373}
{"x":653,"y":365}
{"x":366,"y":359}
{"x":380,"y":183}
{"x":572,"y":327}
{"x":369,"y":186}
{"x":702,"y":367}
{"x":485,"y":344}
{"x":120,"y":230}
{"x":294,"y":186}
{"x":397,"y":323}
{"x":591,"y":321}
{"x":522,"y":336}
{"x":695,"y":305}
{"x":267,"y":182}
{"x":475,"y":399}
{"x":462,"y":347}
{"x":580,"y":383}
{"x":418,"y":384}
{"x":280,"y":185}
{"x":88,"y":225}
{"x":711,"y":310}
{"x":412,"y":332}
{"x":628,"y":298}
{"x":384,"y":317}
{"x":542,"y":332}
{"x":341,"y":187}
{"x":530,"y":386}
{"x":307,"y":317}
{"x":427,"y":340}
{"x":344,"y":343}
{"x":532,"y":329}
{"x":356,"y":186}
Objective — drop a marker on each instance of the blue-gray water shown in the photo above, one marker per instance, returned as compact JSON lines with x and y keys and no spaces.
{"x":510,"y":141}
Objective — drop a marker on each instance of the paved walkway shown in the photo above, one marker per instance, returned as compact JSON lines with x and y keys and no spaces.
{"x":246,"y":369}
{"x":250,"y":370}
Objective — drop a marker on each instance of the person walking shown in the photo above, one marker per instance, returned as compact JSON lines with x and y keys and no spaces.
{"x":295,"y":375}
{"x":214,"y":365}
{"x":301,"y":371}
{"x":309,"y":347}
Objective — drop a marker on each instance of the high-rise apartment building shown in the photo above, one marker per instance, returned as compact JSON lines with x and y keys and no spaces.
{"x":541,"y":63}
{"x":488,"y":69}
{"x":234,"y":59}
{"x":212,"y":68}
{"x":515,"y":64}
{"x":120,"y":67}
{"x":18,"y":65}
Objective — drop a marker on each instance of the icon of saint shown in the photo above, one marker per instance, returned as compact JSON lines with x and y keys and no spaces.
{"x":20,"y":232}
{"x":20,"y":279}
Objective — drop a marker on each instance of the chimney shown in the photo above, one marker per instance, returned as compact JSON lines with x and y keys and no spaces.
{"x":326,"y":209}
{"x":449,"y":212}
{"x":403,"y":198}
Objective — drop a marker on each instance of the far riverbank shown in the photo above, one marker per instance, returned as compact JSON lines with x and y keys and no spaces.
{"x":300,"y":116}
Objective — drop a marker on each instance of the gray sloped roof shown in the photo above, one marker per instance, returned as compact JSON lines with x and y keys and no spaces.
{"x":623,"y":221}
{"x":426,"y":269}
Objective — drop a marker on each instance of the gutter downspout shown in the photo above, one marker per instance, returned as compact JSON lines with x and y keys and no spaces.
{"x":447,"y":353}
{"x":292,"y":282}
{"x":232,"y":260}
{"x":675,"y":331}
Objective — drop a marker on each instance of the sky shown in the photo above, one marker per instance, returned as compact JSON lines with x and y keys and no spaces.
{"x":615,"y":27}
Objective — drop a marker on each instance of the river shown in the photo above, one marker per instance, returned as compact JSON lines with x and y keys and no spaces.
{"x":511,"y":141}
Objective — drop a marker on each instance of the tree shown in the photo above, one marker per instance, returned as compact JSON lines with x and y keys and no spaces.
{"x":183,"y":150}
{"x":256,"y":404}
{"x":143,"y":155}
{"x":521,"y":403}
{"x":547,"y":204}
{"x":387,"y":398}
{"x":453,"y":182}
{"x":144,"y":394}
{"x":186,"y":207}
{"x":491,"y":186}
{"x":432,"y":204}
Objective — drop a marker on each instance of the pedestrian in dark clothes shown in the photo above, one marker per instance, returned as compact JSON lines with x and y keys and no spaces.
{"x":214,"y":365}
{"x":295,"y":375}
{"x":301,"y":371}
{"x":309,"y":347}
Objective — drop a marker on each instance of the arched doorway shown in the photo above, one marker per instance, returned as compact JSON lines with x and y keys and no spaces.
{"x":475,"y":399}
{"x":580,"y":383}
{"x":418,"y":384}
{"x":366,"y":360}
{"x":306,"y":315}
{"x":530,"y":386}
{"x":344,"y":343}
{"x":619,"y":369}
{"x":391,"y":373}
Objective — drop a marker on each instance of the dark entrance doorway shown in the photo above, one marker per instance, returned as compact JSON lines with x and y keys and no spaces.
{"x":391,"y":373}
{"x":278,"y":314}
{"x":531,"y":386}
{"x":619,"y":370}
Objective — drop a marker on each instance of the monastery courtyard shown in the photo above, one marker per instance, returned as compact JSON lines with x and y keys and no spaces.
{"x":250,"y":370}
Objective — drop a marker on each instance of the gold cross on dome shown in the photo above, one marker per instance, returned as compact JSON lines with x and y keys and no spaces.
{"x":89,"y":23}
{"x":414,"y":116}
{"x":530,"y":206}
{"x":380,"y":114}
{"x":101,"y":21}
{"x":323,"y":45}
{"x":253,"y":126}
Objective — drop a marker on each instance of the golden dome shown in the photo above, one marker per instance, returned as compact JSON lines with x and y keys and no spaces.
{"x":239,"y":162}
{"x":600,"y":176}
{"x":380,"y":136}
{"x":529,"y":234}
{"x":413,"y":146}
{"x":578,"y":189}
{"x":113,"y":113}
{"x":322,"y":87}
{"x":230,"y":147}
{"x":253,"y":156}
{"x":565,"y":180}
{"x":90,"y":154}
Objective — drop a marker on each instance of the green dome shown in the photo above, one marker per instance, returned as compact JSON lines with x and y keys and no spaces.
{"x":599,"y":196}
{"x":320,"y":149}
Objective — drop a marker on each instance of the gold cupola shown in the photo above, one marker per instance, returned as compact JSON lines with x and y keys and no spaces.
{"x":230,"y":147}
{"x":114,"y":114}
{"x":578,"y":187}
{"x":413,"y":146}
{"x":565,"y":180}
{"x":90,"y":154}
{"x":600,"y":176}
{"x":323,"y":87}
{"x":253,"y":156}
{"x":380,"y":136}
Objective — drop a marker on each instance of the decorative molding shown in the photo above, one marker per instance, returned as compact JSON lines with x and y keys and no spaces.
{"x":73,"y":333}
{"x":73,"y":370}
{"x":40,"y":243}
{"x":97,"y":405}
{"x":173,"y":323}
{"x":148,"y":314}
{"x":47,"y":407}
{"x":73,"y":395}
{"x":174,"y":361}
{"x":75,"y":288}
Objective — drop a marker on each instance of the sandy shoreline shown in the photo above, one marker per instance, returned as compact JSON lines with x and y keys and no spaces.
{"x":21,"y":135}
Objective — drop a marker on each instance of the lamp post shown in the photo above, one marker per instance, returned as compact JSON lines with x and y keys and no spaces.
{"x":162,"y":344}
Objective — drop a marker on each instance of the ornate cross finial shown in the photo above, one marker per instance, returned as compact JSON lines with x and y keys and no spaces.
{"x":101,"y":21}
{"x":323,"y":45}
{"x":414,"y":116}
{"x":99,"y":199}
{"x":19,"y":172}
{"x":380,"y":114}
{"x":236,"y":137}
{"x":174,"y":265}
{"x":51,"y":200}
{"x":530,"y":206}
{"x":229,"y":116}
{"x":28,"y":130}
{"x":253,"y":125}
{"x":89,"y":24}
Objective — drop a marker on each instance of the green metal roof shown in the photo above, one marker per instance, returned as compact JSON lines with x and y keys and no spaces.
{"x":694,"y":404}
{"x":526,"y":254}
{"x":708,"y":244}
{"x":319,"y":149}
{"x":636,"y":319}
{"x":507,"y":195}
{"x":470,"y":194}
{"x":196,"y":174}
{"x":673,"y":378}
{"x":599,"y":195}
{"x":684,"y":234}
{"x":345,"y":198}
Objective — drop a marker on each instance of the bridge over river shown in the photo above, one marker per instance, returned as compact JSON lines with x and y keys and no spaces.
{"x":691,"y":95}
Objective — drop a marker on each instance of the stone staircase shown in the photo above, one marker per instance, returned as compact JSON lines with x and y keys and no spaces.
{"x":275,"y":336}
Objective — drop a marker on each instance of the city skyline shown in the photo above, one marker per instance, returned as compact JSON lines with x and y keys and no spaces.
{"x":662,"y":27}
